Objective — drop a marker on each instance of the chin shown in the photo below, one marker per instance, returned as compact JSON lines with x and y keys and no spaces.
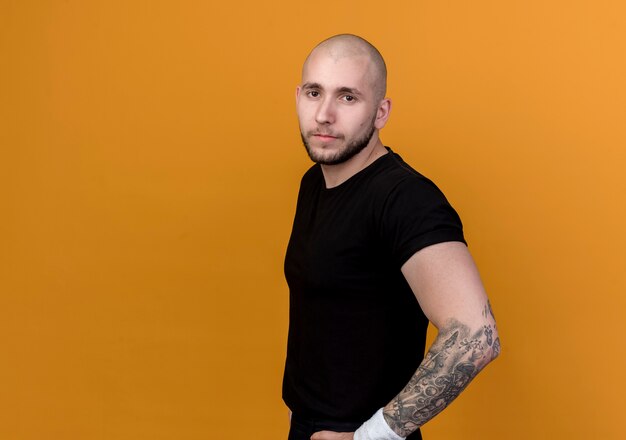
{"x":323,"y":155}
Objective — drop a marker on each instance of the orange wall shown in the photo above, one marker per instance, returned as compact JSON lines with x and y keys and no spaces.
{"x":149,"y":163}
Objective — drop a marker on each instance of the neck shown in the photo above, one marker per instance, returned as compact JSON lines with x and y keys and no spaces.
{"x":335,"y":175}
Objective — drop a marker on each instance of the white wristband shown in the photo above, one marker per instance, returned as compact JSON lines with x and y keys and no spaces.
{"x":376,"y":428}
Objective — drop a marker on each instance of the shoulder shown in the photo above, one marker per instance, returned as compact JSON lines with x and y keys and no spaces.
{"x":398,"y":178}
{"x":310,"y":180}
{"x":311,"y":175}
{"x":415,"y":213}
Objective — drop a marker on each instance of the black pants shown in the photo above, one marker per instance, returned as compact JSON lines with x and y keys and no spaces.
{"x":303,"y":428}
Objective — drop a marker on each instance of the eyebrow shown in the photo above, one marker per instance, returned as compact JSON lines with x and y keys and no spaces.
{"x":311,"y":86}
{"x":350,"y":90}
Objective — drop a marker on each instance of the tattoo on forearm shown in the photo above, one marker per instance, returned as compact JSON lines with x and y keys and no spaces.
{"x":455,"y":357}
{"x":489,"y":334}
{"x":488,"y":312}
{"x":496,"y":348}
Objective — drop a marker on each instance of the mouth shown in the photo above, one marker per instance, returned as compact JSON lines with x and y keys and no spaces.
{"x":324,"y":137}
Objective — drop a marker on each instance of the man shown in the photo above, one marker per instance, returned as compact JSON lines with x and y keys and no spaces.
{"x":375,"y":253}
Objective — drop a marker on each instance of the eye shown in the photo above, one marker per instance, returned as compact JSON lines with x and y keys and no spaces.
{"x":313,"y":93}
{"x":348,"y":98}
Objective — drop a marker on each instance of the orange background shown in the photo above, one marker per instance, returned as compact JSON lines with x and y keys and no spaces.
{"x":149,"y":164}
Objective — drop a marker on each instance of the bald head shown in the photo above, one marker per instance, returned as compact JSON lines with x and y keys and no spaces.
{"x":349,"y":46}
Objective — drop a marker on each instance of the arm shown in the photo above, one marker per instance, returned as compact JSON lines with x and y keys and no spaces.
{"x":448,"y":288}
{"x":446,"y":283}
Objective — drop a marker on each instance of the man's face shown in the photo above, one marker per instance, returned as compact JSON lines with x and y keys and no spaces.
{"x":337,"y":107}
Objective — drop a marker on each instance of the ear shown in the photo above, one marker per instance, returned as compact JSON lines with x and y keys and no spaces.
{"x":297,"y":94}
{"x":382,"y":113}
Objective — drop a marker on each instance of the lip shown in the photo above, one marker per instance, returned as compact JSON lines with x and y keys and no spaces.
{"x":324,"y":137}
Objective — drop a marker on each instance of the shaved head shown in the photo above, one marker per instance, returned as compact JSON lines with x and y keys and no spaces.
{"x":341,"y":100}
{"x":348,"y":46}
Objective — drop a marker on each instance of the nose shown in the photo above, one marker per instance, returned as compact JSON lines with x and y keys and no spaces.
{"x":325,"y":113}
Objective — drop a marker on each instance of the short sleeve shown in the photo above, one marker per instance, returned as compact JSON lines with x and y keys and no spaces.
{"x":417,"y":215}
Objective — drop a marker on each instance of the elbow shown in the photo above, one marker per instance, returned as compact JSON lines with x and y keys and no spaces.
{"x":495,"y":352}
{"x":495,"y":346}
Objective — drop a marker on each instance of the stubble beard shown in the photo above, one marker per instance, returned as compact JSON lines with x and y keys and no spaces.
{"x":344,"y":154}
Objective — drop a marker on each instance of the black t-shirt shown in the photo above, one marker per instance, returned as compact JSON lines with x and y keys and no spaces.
{"x":356,"y":331}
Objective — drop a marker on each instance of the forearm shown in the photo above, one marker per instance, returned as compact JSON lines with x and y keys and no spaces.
{"x":459,"y":352}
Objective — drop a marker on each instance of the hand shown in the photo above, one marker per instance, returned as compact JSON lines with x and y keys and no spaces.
{"x":331,"y":435}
